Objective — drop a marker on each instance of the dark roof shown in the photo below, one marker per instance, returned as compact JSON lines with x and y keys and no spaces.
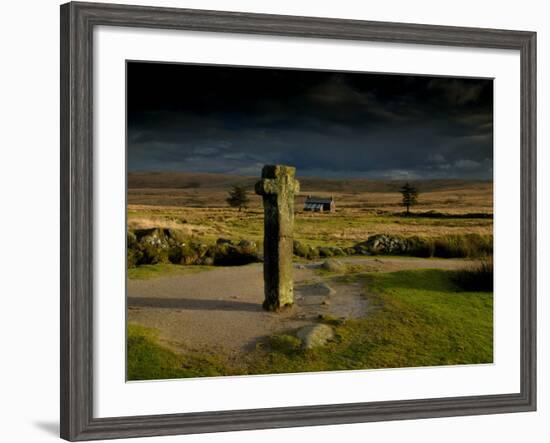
{"x":323,"y":201}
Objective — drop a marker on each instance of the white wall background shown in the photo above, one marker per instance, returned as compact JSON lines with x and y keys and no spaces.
{"x":29,"y":226}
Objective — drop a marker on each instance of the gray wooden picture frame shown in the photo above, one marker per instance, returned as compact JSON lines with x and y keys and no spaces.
{"x":77,"y":23}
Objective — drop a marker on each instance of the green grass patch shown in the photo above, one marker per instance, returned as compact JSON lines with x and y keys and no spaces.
{"x":148,"y":360}
{"x":145,"y":272}
{"x":419,"y":318}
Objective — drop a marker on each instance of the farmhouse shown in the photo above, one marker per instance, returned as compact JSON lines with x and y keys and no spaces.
{"x":319,"y":204}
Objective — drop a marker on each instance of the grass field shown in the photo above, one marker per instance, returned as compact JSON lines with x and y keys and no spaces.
{"x":421,"y":317}
{"x":418,"y":318}
{"x":195,"y":205}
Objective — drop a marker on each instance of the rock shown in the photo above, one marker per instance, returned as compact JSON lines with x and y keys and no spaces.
{"x":223,"y":241}
{"x":208,"y":261}
{"x":333,"y":266}
{"x":317,"y":289}
{"x":247,"y":244}
{"x":361,"y":249}
{"x":315,"y":335}
{"x":382,"y":244}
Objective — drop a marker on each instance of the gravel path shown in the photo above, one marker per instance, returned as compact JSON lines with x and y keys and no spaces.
{"x":221,"y":310}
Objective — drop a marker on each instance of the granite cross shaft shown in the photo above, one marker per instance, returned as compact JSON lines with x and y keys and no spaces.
{"x":278,"y":188}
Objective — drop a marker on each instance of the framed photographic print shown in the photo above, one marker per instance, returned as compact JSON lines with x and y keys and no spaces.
{"x":274,"y":221}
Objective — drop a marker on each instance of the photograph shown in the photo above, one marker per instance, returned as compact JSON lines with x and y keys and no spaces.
{"x":288,"y":220}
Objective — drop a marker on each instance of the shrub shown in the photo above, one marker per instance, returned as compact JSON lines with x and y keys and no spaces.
{"x":336,"y":251}
{"x":306,"y":251}
{"x":131,"y":240}
{"x":448,"y":246}
{"x":152,"y":254}
{"x":461,"y":246}
{"x":477,"y":278}
{"x":134,"y":257}
{"x":300,"y":249}
{"x":185,"y":254}
{"x":230,"y":255}
{"x":325,"y":252}
{"x":420,"y":247}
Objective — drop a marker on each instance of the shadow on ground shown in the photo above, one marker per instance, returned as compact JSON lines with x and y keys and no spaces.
{"x":194,"y":304}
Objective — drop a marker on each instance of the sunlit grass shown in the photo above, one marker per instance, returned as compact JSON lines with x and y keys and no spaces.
{"x":416,"y":318}
{"x":144,"y":272}
{"x":343,"y":228}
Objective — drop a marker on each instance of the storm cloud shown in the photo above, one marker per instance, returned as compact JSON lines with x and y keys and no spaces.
{"x":328,"y":124}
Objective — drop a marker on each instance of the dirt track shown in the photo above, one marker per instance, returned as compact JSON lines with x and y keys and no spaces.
{"x":221,"y":310}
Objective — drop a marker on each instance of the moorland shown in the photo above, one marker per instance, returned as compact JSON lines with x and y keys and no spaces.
{"x":396,"y":290}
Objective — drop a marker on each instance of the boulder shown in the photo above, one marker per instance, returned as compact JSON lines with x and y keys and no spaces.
{"x":333,"y":265}
{"x":361,"y":249}
{"x":314,"y":336}
{"x":338,"y":251}
{"x":208,"y":261}
{"x":248,"y":245}
{"x":382,"y":244}
{"x":350,"y":251}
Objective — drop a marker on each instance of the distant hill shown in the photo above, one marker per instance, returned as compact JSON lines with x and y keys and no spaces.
{"x":211,"y":181}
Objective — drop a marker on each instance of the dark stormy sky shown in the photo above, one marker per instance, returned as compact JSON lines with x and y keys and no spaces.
{"x":328,"y":124}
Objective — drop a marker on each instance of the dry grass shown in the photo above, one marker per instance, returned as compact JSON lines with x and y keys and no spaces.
{"x":195,"y":205}
{"x":210,"y":190}
{"x":475,"y":199}
{"x":343,"y":228}
{"x":146,"y":221}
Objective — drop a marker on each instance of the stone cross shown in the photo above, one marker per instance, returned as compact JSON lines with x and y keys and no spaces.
{"x":278,"y":187}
